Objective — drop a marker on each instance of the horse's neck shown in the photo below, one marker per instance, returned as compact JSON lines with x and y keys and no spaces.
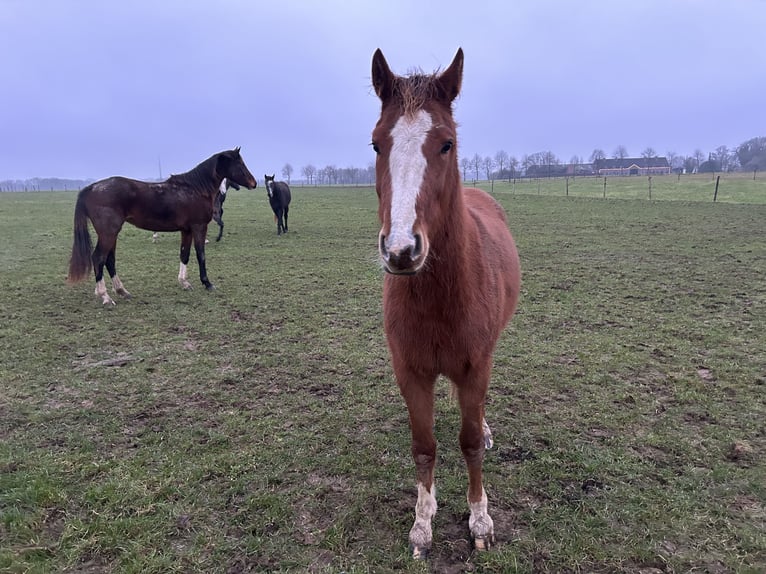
{"x":203,"y":178}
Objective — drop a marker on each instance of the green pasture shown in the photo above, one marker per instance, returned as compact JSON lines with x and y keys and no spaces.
{"x":732,"y":187}
{"x":258,"y":428}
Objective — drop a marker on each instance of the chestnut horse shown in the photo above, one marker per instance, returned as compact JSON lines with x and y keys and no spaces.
{"x":452,"y":280}
{"x":182,"y":203}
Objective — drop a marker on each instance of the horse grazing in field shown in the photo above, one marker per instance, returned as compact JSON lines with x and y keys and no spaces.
{"x":279,"y":198}
{"x":452,"y":281}
{"x":182,"y":203}
{"x":218,"y":206}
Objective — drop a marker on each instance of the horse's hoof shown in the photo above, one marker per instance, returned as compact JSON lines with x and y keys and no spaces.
{"x":210,"y":287}
{"x":483,"y":544}
{"x":420,"y":552}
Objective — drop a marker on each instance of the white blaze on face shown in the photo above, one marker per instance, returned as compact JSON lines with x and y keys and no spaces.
{"x":269,"y":188}
{"x":407,"y":166}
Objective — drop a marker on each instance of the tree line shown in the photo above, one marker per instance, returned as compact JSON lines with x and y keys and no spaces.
{"x":748,"y":156}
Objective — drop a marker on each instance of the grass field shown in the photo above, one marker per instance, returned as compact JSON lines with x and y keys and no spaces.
{"x":257,"y":428}
{"x":732,"y":187}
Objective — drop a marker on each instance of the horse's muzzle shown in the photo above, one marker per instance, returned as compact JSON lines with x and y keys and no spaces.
{"x":404,"y":260}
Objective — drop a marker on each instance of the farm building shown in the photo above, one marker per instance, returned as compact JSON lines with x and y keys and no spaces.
{"x":632,"y":166}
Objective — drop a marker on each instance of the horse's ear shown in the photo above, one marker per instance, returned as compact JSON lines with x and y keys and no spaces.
{"x":451,"y":79}
{"x":236,"y":149}
{"x":382,"y":76}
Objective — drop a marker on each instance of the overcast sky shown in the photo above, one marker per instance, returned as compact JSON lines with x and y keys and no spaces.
{"x":93,"y":88}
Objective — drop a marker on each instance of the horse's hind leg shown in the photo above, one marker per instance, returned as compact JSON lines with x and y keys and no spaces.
{"x":100,"y":256}
{"x":218,"y":217}
{"x":199,"y":249}
{"x":111,"y":268}
{"x":220,"y":230}
{"x":186,"y":240}
{"x":287,"y":209}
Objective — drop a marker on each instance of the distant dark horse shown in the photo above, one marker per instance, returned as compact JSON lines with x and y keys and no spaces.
{"x":182,"y":203}
{"x":218,"y":207}
{"x":279,"y":198}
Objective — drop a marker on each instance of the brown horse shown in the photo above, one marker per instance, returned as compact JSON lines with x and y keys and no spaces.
{"x":182,"y":203}
{"x":452,"y":281}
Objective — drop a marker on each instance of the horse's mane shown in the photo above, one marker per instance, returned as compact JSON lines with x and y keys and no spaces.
{"x":414,"y":90}
{"x":198,"y":178}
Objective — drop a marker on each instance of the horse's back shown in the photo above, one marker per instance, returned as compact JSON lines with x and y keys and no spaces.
{"x":498,"y":247}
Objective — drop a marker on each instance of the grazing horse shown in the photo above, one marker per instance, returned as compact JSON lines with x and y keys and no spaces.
{"x":279,"y":198}
{"x":452,"y":281}
{"x":182,"y":203}
{"x":218,"y":206}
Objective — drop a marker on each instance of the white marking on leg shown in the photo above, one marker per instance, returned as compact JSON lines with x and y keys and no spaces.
{"x":182,"y":277}
{"x":421,"y":534}
{"x":101,"y":292}
{"x":155,"y":237}
{"x":480,"y":523}
{"x":488,"y":442}
{"x":119,"y":288}
{"x":407,"y":166}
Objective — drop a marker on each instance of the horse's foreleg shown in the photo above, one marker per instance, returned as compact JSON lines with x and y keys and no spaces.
{"x":111,"y":268}
{"x":218,"y":218}
{"x":475,"y":436}
{"x":199,"y":249}
{"x":418,"y":393}
{"x":186,"y":240}
{"x":287,"y":209}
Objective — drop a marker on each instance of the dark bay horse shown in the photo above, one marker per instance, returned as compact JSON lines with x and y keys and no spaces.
{"x":279,"y":198}
{"x":218,"y":205}
{"x":182,"y":203}
{"x":452,"y":281}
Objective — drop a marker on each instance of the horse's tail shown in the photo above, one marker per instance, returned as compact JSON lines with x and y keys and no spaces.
{"x":80,"y":263}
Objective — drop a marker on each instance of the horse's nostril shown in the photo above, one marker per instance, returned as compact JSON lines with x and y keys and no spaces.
{"x":418,"y":245}
{"x":382,"y":245}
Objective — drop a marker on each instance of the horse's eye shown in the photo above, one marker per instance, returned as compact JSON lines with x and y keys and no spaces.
{"x":375,"y":147}
{"x":446,"y":147}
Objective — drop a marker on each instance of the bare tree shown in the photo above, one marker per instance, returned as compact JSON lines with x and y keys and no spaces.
{"x":597,"y":154}
{"x":476,"y":165}
{"x":287,"y":171}
{"x":620,"y":152}
{"x":549,"y":159}
{"x":649,"y":153}
{"x":673,"y":159}
{"x":308,"y":172}
{"x":513,"y":163}
{"x":723,"y":156}
{"x":699,"y":156}
{"x":465,"y":165}
{"x":501,"y":160}
{"x":489,"y":165}
{"x":526,"y":162}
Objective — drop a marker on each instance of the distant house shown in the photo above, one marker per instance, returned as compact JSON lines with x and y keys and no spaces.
{"x":632,"y":166}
